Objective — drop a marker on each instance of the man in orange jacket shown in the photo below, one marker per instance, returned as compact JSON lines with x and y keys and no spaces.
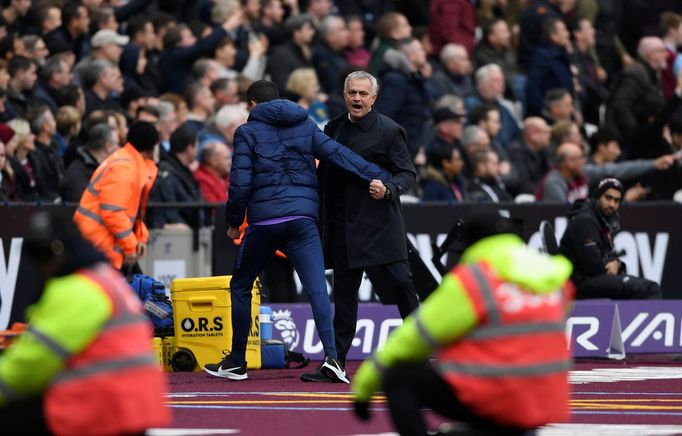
{"x":112,"y":208}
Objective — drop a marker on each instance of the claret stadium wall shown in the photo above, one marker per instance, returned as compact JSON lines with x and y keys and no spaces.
{"x":650,"y":239}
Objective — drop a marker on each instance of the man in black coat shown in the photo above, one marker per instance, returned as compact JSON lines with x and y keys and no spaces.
{"x":588,"y":244}
{"x":360,"y":233}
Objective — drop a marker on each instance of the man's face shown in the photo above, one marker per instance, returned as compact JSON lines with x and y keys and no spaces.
{"x":356,"y":34}
{"x":585,"y":33}
{"x":148,"y":36}
{"x":402,"y":29}
{"x":112,"y":52}
{"x":337,"y":38}
{"x":305,"y":34}
{"x":560,"y":36}
{"x":460,"y":64}
{"x":500,"y":35}
{"x":574,"y":160}
{"x":274,"y":11}
{"x":27,"y":78}
{"x":187,"y":38}
{"x":493,"y":86}
{"x":3,"y":157}
{"x":81,"y":22}
{"x":492,"y":124}
{"x":50,"y":124}
{"x":611,"y":151}
{"x":609,"y":202}
{"x":562,"y":109}
{"x":222,"y":160}
{"x":112,"y":80}
{"x":359,"y":98}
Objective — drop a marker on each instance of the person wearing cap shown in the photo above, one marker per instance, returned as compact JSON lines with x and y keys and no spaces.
{"x":496,"y":325}
{"x":588,"y":243}
{"x":85,"y":363}
{"x":106,"y":44}
{"x":112,"y":209}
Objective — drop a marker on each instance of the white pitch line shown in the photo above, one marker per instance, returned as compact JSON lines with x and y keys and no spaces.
{"x":189,"y":431}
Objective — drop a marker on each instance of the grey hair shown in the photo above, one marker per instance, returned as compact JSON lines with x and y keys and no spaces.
{"x":95,"y":70}
{"x":483,"y":72}
{"x":362,"y":75}
{"x":165,"y":109}
{"x":327,"y":24}
{"x":99,"y":136}
{"x":451,"y":51}
{"x":470,"y":135}
{"x":229,"y":115}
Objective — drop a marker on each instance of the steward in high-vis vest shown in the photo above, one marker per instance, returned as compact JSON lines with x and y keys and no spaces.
{"x":85,"y":363}
{"x":111,"y":211}
{"x":497,"y":326}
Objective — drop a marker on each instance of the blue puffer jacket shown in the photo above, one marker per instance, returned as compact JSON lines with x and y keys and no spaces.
{"x":273,"y":165}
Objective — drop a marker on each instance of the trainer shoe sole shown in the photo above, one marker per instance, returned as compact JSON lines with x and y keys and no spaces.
{"x":227,"y":374}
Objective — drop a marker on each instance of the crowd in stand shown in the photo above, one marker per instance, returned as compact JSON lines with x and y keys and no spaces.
{"x":499,"y":99}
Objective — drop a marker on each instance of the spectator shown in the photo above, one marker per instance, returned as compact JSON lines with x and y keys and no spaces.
{"x":566,"y":131}
{"x":550,"y":65}
{"x":454,"y":74}
{"x":103,"y":18}
{"x":566,"y":182}
{"x":406,"y":91}
{"x":102,"y":81}
{"x":178,"y":103}
{"x":35,"y":48}
{"x":588,"y":244}
{"x":442,"y":178}
{"x":391,"y":28}
{"x":531,"y":156}
{"x":205,"y":71}
{"x":304,"y":86}
{"x":107,"y":45}
{"x":295,"y":53}
{"x":225,"y":92}
{"x":122,"y":183}
{"x":138,"y":60}
{"x":29,"y":184}
{"x":486,"y":185}
{"x":558,"y":106}
{"x":318,"y":10}
{"x":448,"y":126}
{"x":73,"y":31}
{"x":201,"y":104}
{"x":72,"y":95}
{"x":181,"y":50}
{"x":531,"y":27}
{"x":46,"y":389}
{"x":44,"y":127}
{"x":638,"y":95}
{"x":176,"y":184}
{"x":20,"y":87}
{"x":7,"y":177}
{"x":54,"y":75}
{"x":48,"y":18}
{"x":215,"y":160}
{"x":496,"y":48}
{"x":102,"y":141}
{"x":15,"y":16}
{"x":671,"y":35}
{"x":68,"y":128}
{"x":452,"y":21}
{"x":591,"y":76}
{"x":490,"y":86}
{"x":530,"y":383}
{"x":225,"y":123}
{"x":271,"y":19}
{"x":168,"y":122}
{"x":357,"y":54}
{"x":328,"y":57}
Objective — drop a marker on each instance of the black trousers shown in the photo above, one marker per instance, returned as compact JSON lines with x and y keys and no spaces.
{"x":411,"y":387}
{"x":346,"y":284}
{"x":618,"y":287}
{"x":24,"y":417}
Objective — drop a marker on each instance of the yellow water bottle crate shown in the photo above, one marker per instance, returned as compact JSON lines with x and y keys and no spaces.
{"x":203,"y":322}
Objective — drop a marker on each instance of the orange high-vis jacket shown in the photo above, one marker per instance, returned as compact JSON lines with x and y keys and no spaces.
{"x":111,"y":211}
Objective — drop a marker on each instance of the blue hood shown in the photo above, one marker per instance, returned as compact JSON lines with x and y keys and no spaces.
{"x":279,"y":113}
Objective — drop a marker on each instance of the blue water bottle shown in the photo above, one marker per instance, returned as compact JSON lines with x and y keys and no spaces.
{"x":265,"y":323}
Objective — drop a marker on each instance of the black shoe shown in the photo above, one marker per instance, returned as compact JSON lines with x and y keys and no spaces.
{"x":315,"y":377}
{"x":227,"y":369}
{"x":333,"y":369}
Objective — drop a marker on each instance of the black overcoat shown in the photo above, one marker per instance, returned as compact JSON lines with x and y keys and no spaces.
{"x":374,"y":229}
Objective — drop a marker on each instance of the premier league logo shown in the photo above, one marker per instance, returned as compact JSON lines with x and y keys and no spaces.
{"x":287,"y":328}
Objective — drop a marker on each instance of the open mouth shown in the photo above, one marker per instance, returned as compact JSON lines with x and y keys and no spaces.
{"x":356,"y":106}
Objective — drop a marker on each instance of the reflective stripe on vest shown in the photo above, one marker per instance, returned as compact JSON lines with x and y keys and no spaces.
{"x":489,"y":332}
{"x":48,"y":342}
{"x":491,"y":306}
{"x":111,"y":207}
{"x":431,"y":342}
{"x":106,"y":366}
{"x":480,"y":370}
{"x":92,"y":215}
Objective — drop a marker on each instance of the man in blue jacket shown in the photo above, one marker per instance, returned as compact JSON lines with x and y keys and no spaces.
{"x":273,"y":178}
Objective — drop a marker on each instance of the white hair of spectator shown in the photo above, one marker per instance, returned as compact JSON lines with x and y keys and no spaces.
{"x":450,"y":101}
{"x":328,"y":24}
{"x":230,"y":115}
{"x":222,"y":10}
{"x":165,"y":108}
{"x":471,"y":134}
{"x":452,"y":51}
{"x":357,"y":75}
{"x":483,"y":72}
{"x":647,"y":45}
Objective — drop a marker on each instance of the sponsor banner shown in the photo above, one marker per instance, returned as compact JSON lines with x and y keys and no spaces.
{"x":598,"y":328}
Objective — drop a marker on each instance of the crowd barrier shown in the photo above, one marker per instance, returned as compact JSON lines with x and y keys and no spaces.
{"x":650,"y":240}
{"x":606,"y":329}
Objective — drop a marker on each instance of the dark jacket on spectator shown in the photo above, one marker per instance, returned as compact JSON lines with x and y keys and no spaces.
{"x":329,"y":65}
{"x":24,"y":190}
{"x":285,"y":59}
{"x":175,"y":183}
{"x":446,"y":83}
{"x":530,"y":166}
{"x":404,"y":97}
{"x":93,"y":103}
{"x":549,"y":68}
{"x":150,"y":77}
{"x":61,"y":37}
{"x":437,"y":187}
{"x":636,"y":97}
{"x":531,"y":27}
{"x":51,"y":169}
{"x":175,"y":64}
{"x":452,"y":21}
{"x":77,"y":176}
{"x":489,"y":190}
